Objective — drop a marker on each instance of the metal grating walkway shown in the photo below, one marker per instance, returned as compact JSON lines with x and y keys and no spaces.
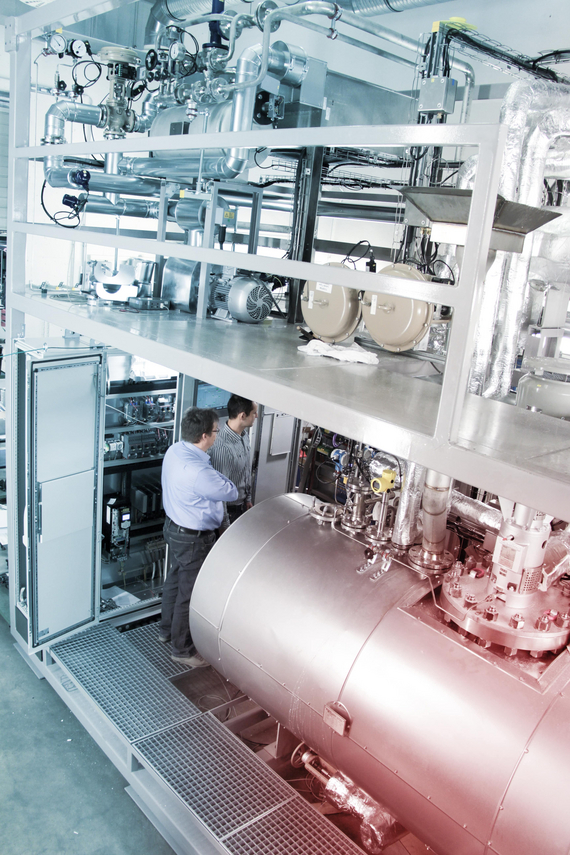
{"x":243,"y":802}
{"x":145,"y":640}
{"x":214,"y":773}
{"x":246,"y":807}
{"x":135,"y":696}
{"x":291,"y":829}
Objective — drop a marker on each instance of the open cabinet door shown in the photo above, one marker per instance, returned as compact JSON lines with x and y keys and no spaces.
{"x":62,"y":514}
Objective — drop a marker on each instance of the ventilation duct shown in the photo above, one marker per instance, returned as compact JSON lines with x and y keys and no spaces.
{"x":165,"y":12}
{"x":381,"y":7}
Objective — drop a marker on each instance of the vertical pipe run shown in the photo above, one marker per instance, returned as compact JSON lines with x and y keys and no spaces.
{"x":431,"y":555}
{"x":406,"y":524}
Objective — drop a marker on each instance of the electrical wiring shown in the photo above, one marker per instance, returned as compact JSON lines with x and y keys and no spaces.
{"x":260,"y":151}
{"x":553,"y":56}
{"x":364,"y":254}
{"x":66,"y":215}
{"x":170,"y":15}
{"x":133,"y":420}
{"x":506,"y":57}
{"x":90,"y":81}
{"x":445,"y":264}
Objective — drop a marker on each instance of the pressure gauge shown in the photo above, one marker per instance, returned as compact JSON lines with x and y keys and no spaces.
{"x":177,"y":51}
{"x":57,"y":43}
{"x":78,"y":48}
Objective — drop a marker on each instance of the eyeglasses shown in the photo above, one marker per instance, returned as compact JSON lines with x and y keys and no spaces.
{"x":216,"y":430}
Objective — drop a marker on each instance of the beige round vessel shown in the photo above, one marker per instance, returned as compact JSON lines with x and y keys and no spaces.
{"x":397,"y":323}
{"x":331,"y":311}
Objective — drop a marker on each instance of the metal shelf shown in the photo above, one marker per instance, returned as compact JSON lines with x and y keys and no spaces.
{"x":517,"y":454}
{"x":132,"y":463}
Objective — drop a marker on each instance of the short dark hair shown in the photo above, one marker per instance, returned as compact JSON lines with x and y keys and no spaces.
{"x":196,"y":422}
{"x":237,"y":405}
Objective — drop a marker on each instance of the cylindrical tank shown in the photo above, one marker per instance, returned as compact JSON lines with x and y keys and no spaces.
{"x":469,"y":753}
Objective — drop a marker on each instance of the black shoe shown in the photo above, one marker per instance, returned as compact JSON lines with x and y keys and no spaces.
{"x":163,"y":638}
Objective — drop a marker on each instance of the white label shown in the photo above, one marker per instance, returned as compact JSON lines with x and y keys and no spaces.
{"x":373,"y":304}
{"x":311,"y":298}
{"x":324,"y":286}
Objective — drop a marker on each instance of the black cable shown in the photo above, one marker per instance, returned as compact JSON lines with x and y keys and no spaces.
{"x":195,"y":40}
{"x":90,"y":80}
{"x":260,"y":151}
{"x":554,"y":55}
{"x":451,"y":174}
{"x":68,"y":214}
{"x":174,"y":18}
{"x":282,"y":313}
{"x":519,"y":61}
{"x":364,"y":254}
{"x":445,"y":264}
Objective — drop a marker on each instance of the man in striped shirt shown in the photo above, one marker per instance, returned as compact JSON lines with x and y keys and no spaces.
{"x":231,"y":454}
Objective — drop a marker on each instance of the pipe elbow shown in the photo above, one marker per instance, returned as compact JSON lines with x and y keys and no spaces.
{"x":69,"y":111}
{"x":54,"y":125}
{"x":230,"y":166}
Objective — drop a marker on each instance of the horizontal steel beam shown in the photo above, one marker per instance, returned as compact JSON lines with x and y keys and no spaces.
{"x":377,"y":283}
{"x":357,"y":136}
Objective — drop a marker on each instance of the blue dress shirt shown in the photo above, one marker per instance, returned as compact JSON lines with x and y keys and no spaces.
{"x":193,"y":492}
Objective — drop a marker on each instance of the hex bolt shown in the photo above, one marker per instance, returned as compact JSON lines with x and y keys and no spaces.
{"x":543,"y":623}
{"x":517,"y":621}
{"x":470,"y":600}
{"x":491,"y":613}
{"x":563,"y":620}
{"x":455,"y":589}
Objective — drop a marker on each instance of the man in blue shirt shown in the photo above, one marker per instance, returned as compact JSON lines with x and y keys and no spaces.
{"x":193,"y":495}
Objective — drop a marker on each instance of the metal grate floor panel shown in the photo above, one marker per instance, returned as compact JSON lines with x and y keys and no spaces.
{"x":291,"y":829}
{"x":135,"y":696}
{"x":145,"y":640}
{"x":214,"y":774}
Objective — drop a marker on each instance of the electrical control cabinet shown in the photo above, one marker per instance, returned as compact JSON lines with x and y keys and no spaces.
{"x":58,"y":506}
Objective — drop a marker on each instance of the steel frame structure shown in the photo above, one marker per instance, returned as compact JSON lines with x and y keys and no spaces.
{"x":523,"y":456}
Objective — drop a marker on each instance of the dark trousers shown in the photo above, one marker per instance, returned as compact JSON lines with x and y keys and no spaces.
{"x":236,"y":510}
{"x":186,"y":555}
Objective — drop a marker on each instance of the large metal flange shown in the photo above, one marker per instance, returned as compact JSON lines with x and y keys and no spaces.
{"x":429,"y":562}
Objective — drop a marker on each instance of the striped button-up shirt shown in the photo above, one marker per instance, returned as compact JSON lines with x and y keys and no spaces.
{"x":231,"y":455}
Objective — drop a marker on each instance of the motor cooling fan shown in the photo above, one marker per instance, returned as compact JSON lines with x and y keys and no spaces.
{"x":249,"y":300}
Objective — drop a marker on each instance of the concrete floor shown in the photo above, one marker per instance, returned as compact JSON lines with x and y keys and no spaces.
{"x":59,"y":793}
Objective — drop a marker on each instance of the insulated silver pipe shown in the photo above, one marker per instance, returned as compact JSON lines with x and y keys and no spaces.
{"x":112,"y":168}
{"x":309,"y":25}
{"x":431,"y":556}
{"x":475,"y":512}
{"x":434,"y":505}
{"x":58,"y":175}
{"x":382,"y":7}
{"x":122,"y":207}
{"x":406,"y":525}
{"x":290,"y":73}
{"x":283,"y":61}
{"x":70,"y":111}
{"x":165,"y":12}
{"x":537,"y":113}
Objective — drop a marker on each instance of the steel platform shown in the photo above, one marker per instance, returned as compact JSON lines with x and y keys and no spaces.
{"x":197,"y":782}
